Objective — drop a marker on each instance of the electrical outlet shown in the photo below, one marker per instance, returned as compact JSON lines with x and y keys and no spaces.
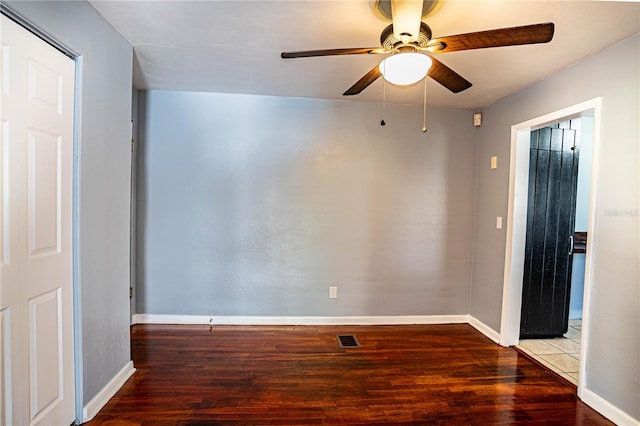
{"x":333,"y":292}
{"x":499,"y":222}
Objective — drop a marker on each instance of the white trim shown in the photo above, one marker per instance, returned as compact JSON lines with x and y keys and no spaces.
{"x":607,"y":409}
{"x":516,"y":217}
{"x":297,"y":320}
{"x":77,"y":241}
{"x":100,"y":400}
{"x":585,"y":341}
{"x":514,"y":251}
{"x":516,"y":234}
{"x":308,"y":320}
{"x":484,"y":329}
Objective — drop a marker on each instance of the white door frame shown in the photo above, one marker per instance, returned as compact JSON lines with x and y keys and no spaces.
{"x":516,"y":225}
{"x":75,"y":225}
{"x":75,"y":215}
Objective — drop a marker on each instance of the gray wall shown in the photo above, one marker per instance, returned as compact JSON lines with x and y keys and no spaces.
{"x":613,"y":362}
{"x":134,"y":198}
{"x":582,"y":214}
{"x":255,"y":205}
{"x":104,"y":180}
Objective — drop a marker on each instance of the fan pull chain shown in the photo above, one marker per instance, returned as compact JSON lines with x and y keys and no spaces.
{"x":424,"y":111}
{"x":384,"y":95}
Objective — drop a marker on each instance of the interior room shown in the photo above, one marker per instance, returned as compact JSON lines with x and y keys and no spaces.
{"x":219,"y":181}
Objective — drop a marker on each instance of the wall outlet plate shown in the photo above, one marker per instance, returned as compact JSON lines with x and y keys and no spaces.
{"x":333,"y":292}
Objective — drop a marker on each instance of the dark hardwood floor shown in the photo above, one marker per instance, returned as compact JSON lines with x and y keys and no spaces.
{"x":421,"y":374}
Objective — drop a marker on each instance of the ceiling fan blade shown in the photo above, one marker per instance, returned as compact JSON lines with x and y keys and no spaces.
{"x":447,"y":77}
{"x":364,"y":82}
{"x":331,"y":52}
{"x":528,"y":34}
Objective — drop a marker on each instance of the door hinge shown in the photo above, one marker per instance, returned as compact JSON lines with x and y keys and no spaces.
{"x":130,"y":292}
{"x":133,"y":145}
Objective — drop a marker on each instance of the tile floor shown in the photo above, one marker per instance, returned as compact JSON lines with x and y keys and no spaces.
{"x":561,"y":355}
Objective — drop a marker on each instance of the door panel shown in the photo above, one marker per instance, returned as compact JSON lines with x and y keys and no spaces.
{"x":45,"y":86}
{"x":5,"y":367}
{"x":45,"y":353}
{"x":549,"y":255}
{"x":36,"y":275}
{"x":553,"y":169}
{"x":4,"y":198}
{"x":44,"y":193}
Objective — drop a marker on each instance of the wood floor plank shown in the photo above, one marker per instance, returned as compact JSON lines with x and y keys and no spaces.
{"x":414,"y":374}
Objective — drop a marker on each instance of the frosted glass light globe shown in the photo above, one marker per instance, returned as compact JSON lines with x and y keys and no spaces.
{"x":405,"y":68}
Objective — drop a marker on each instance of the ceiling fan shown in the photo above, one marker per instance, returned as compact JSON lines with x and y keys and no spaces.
{"x":409,"y":42}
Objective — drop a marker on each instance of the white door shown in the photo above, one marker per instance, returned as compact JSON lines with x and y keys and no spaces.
{"x":36,"y":301}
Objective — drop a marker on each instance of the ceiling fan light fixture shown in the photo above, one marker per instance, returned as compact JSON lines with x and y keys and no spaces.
{"x":404,"y":69}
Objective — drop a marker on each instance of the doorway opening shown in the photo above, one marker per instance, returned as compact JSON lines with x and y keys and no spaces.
{"x":517,"y":229}
{"x":557,"y":218}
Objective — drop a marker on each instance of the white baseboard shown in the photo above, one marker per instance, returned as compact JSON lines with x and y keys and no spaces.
{"x":607,"y":409}
{"x":94,"y":406}
{"x":483,"y":328}
{"x":302,"y":320}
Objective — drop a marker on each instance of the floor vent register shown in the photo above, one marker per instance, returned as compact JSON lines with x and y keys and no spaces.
{"x":348,"y":341}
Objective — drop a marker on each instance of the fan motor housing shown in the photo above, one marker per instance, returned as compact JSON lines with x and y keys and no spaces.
{"x":390,"y":42}
{"x":383,"y":7}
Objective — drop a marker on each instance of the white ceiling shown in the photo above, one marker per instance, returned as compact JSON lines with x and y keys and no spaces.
{"x":234,"y":46}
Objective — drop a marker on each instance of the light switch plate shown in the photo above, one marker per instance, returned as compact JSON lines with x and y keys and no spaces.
{"x":494,"y":162}
{"x":499,"y":222}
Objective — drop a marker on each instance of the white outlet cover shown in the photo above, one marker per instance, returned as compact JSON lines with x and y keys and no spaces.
{"x":499,"y":222}
{"x":333,"y":292}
